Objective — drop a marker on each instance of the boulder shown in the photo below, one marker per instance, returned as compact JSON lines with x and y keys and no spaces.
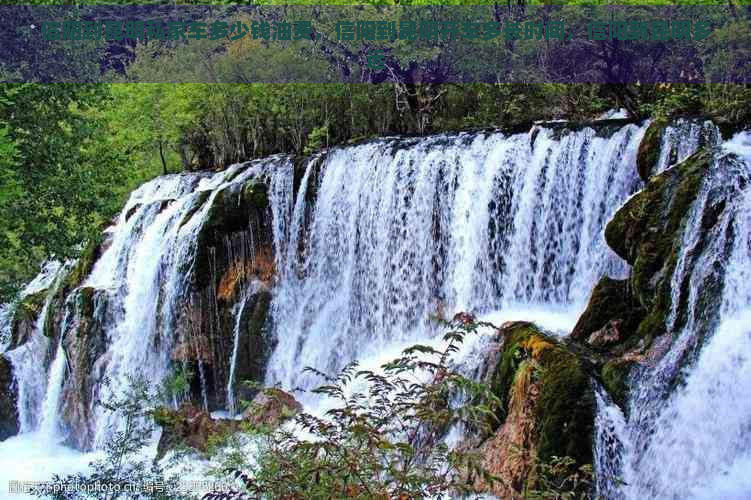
{"x":607,"y":335}
{"x":610,"y":302}
{"x":190,"y":427}
{"x":647,"y":233}
{"x":271,"y":407}
{"x":85,"y":342}
{"x":24,"y":318}
{"x":624,"y":318}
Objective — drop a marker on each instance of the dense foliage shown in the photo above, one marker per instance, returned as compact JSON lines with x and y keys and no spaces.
{"x":381,"y":437}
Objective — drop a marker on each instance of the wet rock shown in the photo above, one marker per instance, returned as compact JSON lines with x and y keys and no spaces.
{"x":624,"y":317}
{"x":189,"y":427}
{"x":25,"y":317}
{"x":84,"y":264}
{"x":84,"y":343}
{"x":615,"y":375}
{"x":610,"y":301}
{"x":192,"y":427}
{"x":8,"y":413}
{"x":271,"y":407}
{"x":646,"y":232}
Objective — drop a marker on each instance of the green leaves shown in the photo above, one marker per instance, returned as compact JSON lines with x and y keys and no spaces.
{"x":382,"y":437}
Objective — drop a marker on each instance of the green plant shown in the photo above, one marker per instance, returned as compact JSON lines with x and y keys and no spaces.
{"x":561,"y":478}
{"x":123,"y":472}
{"x":176,"y":385}
{"x":382,"y":438}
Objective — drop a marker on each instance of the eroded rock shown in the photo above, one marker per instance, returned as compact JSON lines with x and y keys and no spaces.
{"x":192,"y":427}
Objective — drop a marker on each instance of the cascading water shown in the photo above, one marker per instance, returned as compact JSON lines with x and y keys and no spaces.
{"x":49,"y":423}
{"x":405,"y":229}
{"x":152,"y":245}
{"x":683,"y":138}
{"x":688,"y":427}
{"x":29,"y":368}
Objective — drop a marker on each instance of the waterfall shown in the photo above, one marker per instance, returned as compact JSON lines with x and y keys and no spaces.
{"x":402,"y":229}
{"x":50,"y":406}
{"x":28,"y":360}
{"x":368,"y":243}
{"x":231,"y":403}
{"x":154,"y":245}
{"x":683,"y":138}
{"x":688,"y":427}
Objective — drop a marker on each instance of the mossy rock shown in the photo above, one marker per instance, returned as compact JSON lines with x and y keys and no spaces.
{"x":232,"y":210}
{"x":649,"y":148}
{"x":190,"y":428}
{"x":565,"y":408}
{"x":30,"y":306}
{"x":83,"y":265}
{"x":647,"y":233}
{"x":25,"y":315}
{"x":610,"y":300}
{"x":201,"y":198}
{"x":255,"y":347}
{"x":614,"y":375}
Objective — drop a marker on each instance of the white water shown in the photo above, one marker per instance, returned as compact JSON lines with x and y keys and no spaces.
{"x":48,"y":426}
{"x":28,"y":360}
{"x":692,"y":441}
{"x":683,"y":138}
{"x":404,"y":230}
{"x":237,"y":331}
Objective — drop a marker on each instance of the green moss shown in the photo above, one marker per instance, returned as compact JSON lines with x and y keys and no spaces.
{"x":86,"y":302}
{"x":257,"y":320}
{"x":647,"y":233}
{"x":166,"y":417}
{"x":30,"y":306}
{"x":201,"y":198}
{"x":513,"y":355}
{"x":615,"y":379}
{"x":565,"y":408}
{"x":84,"y":265}
{"x":256,"y":194}
{"x":610,"y":300}
{"x":649,"y":148}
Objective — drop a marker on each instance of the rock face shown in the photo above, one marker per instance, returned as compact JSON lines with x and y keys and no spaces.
{"x":189,"y":427}
{"x":624,"y":317}
{"x":84,"y":344}
{"x":24,"y":318}
{"x":8,"y":413}
{"x":547,"y":410}
{"x":232,"y":273}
